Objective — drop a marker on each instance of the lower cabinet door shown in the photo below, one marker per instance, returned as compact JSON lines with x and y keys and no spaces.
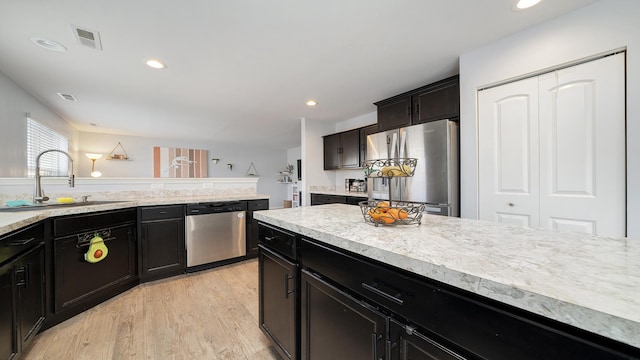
{"x":407,"y":343}
{"x":31,"y":294}
{"x":277,"y":301}
{"x":162,"y":245}
{"x":8,"y":343}
{"x":336,"y":326}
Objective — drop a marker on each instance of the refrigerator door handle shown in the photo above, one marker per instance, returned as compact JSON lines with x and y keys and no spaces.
{"x":403,"y":143}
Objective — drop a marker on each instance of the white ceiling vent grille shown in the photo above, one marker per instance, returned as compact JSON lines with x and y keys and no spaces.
{"x":87,"y":37}
{"x":68,"y":97}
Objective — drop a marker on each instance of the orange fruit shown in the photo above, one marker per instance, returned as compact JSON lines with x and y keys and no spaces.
{"x":394,"y":213}
{"x":383,"y":206}
{"x":386,"y":219}
{"x":375,"y":214}
{"x":402,"y":214}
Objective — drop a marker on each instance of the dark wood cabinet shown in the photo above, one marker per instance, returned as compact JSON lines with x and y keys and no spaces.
{"x":22,"y":290}
{"x":79,"y":284}
{"x":29,"y":277}
{"x":394,"y":113}
{"x":436,"y":101}
{"x":321,"y":199}
{"x":335,"y":325}
{"x":278,"y":306}
{"x":331,"y":149}
{"x":252,"y":225}
{"x":8,"y":332}
{"x":161,"y":244}
{"x":407,"y":343}
{"x":342,"y":150}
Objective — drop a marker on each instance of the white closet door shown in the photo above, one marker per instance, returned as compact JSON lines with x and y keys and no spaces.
{"x":508,"y":153}
{"x":582,"y":148}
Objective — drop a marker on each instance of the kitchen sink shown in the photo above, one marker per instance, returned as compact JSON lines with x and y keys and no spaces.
{"x":57,"y":205}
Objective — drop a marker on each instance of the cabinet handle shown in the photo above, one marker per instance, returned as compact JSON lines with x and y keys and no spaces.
{"x":377,"y":291}
{"x":163,"y":212}
{"x":511,"y":204}
{"x":22,"y":276}
{"x":269,"y":238}
{"x":374,"y":343}
{"x":21,"y":242}
{"x":286,"y":286}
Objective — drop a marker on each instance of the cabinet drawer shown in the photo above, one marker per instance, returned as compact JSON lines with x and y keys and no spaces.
{"x":254,"y":205}
{"x":20,"y":241}
{"x":74,"y":224}
{"x":354,"y":200}
{"x":161,"y":212}
{"x":278,"y":240}
{"x":478,"y":325}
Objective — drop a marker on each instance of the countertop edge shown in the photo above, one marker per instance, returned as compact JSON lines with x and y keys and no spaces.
{"x":11,"y":221}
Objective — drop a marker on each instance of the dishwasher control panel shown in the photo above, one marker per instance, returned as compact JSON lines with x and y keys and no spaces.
{"x":217,"y":207}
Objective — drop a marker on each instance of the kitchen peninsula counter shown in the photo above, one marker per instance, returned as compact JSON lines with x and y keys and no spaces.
{"x":590,"y":282}
{"x":10,"y":221}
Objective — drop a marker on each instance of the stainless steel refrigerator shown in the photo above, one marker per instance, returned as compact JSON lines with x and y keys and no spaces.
{"x":435,"y":181}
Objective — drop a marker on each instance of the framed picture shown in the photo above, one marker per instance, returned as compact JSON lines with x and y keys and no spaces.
{"x":170,"y":162}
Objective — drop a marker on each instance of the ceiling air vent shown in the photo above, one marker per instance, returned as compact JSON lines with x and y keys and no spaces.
{"x":68,"y":97}
{"x":87,"y":37}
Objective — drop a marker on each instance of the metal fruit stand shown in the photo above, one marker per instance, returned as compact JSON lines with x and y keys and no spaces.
{"x":390,"y":212}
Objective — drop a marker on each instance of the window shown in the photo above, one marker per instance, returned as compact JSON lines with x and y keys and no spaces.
{"x":39,"y":139}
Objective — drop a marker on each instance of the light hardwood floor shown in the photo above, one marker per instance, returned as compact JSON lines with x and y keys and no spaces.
{"x":211,"y":314}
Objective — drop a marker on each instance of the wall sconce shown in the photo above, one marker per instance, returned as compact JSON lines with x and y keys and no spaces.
{"x":229,"y":166}
{"x":93,"y":158}
{"x":215,"y":160}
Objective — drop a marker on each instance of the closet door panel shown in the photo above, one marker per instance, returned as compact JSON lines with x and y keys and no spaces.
{"x":582,"y":148}
{"x":508,"y":154}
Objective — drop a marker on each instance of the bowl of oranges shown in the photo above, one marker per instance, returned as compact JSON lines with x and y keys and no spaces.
{"x":391,"y":212}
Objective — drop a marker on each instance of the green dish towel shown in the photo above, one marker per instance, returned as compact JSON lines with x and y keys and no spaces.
{"x":14,"y":203}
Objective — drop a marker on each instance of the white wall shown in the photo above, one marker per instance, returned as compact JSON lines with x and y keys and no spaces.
{"x":139,"y":149}
{"x":313,"y":173}
{"x":595,"y":29}
{"x":14,"y":103}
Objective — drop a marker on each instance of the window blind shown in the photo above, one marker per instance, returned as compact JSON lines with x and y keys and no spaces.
{"x":39,"y":139}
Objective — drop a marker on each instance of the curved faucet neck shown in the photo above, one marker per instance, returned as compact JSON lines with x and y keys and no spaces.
{"x":39,"y":194}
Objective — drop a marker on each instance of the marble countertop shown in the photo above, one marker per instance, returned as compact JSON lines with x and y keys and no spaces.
{"x":10,"y":221}
{"x":586,"y":281}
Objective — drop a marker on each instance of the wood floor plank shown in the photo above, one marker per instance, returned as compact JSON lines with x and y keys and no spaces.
{"x":211,"y":314}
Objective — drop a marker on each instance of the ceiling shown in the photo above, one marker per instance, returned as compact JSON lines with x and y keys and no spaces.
{"x":241,"y":70}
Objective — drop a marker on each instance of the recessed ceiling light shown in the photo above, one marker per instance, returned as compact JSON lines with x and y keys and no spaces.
{"x":48,"y":44}
{"x":525,"y":4}
{"x":312,"y":103}
{"x":156,"y":64}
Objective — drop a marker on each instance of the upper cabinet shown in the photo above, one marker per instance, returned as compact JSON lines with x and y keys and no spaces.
{"x":342,"y":150}
{"x":394,"y":113}
{"x":440,"y":100}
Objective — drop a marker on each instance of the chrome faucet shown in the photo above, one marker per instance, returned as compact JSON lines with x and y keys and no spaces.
{"x":39,"y":196}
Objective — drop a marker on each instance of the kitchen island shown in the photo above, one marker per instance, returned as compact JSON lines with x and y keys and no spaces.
{"x":588,"y":282}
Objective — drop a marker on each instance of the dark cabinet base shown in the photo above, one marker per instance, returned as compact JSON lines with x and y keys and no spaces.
{"x":336,"y":326}
{"x":277,"y":298}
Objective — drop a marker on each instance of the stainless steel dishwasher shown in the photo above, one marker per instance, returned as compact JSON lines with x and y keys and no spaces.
{"x":215,"y":232}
